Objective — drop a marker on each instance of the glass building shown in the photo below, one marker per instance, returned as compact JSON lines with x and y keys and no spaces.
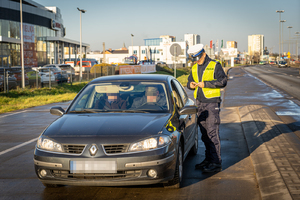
{"x":43,"y":35}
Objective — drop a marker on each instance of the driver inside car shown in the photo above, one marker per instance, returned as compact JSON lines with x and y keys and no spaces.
{"x":152,"y":96}
{"x":113,"y":100}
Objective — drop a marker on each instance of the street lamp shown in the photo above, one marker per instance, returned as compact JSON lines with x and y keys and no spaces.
{"x":282,"y":21}
{"x":297,"y":35}
{"x":81,"y":11}
{"x":22,"y":47}
{"x":279,"y":11}
{"x":132,"y":42}
{"x":289,"y":27}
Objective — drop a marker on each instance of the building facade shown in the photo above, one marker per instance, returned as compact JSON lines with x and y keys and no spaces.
{"x":192,"y":39}
{"x":255,"y":44}
{"x":43,"y":35}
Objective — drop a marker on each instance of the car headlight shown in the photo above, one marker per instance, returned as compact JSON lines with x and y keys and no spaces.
{"x":150,"y":143}
{"x":47,"y":144}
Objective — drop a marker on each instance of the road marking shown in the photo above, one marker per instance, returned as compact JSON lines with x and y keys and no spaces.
{"x":18,"y":146}
{"x":12,"y":113}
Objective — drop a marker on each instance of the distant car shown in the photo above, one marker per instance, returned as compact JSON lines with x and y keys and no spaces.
{"x":60,"y":78}
{"x":263,"y":62}
{"x":68,"y":69}
{"x":272,"y":62}
{"x":17,"y":71}
{"x":282,"y":63}
{"x":54,"y":67}
{"x":138,"y":143}
{"x":45,"y":78}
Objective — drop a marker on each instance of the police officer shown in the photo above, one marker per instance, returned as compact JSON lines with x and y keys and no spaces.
{"x":206,"y":79}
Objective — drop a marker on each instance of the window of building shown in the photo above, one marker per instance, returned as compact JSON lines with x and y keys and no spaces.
{"x":143,"y":51}
{"x":134,"y":51}
{"x":5,"y":30}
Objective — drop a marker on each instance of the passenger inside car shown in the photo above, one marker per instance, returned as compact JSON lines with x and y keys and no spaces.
{"x":152,"y":97}
{"x":111,"y":100}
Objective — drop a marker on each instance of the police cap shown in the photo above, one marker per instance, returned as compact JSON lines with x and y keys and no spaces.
{"x":196,"y":50}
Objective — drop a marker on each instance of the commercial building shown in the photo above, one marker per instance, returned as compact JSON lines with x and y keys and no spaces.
{"x":43,"y":33}
{"x":231,"y":44}
{"x":255,"y":44}
{"x":192,"y":39}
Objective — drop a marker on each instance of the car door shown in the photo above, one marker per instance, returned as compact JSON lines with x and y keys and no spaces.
{"x":187,"y":122}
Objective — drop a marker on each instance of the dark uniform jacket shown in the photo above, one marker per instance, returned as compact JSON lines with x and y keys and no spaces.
{"x":220,"y":82}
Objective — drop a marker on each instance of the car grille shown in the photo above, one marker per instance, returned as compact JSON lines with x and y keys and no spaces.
{"x":117,"y":148}
{"x":73,"y":148}
{"x":120,"y":174}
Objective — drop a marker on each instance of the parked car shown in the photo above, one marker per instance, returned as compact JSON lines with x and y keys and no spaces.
{"x":93,"y":146}
{"x":54,"y":67}
{"x":282,"y":63}
{"x":272,"y":62}
{"x":60,"y":78}
{"x":263,"y":62}
{"x":68,"y":69}
{"x":45,"y":79}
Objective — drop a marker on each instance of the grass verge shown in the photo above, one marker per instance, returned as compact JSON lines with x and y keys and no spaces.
{"x":21,"y":99}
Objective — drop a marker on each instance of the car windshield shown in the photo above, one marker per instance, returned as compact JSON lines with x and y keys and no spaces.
{"x":131,"y":96}
{"x":282,"y":62}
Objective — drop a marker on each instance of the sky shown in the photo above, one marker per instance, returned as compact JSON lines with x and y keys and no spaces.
{"x":113,"y":21}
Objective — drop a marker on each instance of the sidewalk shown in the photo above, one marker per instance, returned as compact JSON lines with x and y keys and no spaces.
{"x":274,"y":148}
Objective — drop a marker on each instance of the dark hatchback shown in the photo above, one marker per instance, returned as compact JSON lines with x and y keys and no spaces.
{"x":141,"y":143}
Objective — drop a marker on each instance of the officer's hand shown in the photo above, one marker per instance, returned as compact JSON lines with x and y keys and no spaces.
{"x":193,"y":85}
{"x":200,"y":84}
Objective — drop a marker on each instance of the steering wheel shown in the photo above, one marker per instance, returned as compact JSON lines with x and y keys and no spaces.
{"x":149,"y":105}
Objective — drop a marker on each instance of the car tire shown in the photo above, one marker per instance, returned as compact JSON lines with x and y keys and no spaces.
{"x":194,"y":149}
{"x":175,"y":183}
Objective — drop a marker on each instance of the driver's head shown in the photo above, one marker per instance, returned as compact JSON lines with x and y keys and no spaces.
{"x":112,"y":92}
{"x":151,"y":94}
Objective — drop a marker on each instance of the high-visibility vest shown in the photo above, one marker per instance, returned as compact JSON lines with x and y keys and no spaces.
{"x":208,"y":75}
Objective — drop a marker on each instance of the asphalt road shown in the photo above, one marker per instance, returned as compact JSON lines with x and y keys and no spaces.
{"x":286,"y":85}
{"x":286,"y":79}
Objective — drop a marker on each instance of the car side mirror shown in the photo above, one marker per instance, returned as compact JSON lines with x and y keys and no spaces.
{"x":187,"y":110}
{"x":57,"y":111}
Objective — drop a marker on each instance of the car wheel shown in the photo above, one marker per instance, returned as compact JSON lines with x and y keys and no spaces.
{"x":175,"y":183}
{"x":194,"y":149}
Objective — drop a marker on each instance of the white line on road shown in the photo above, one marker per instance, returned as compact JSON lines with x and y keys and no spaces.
{"x":18,"y":146}
{"x":12,"y":113}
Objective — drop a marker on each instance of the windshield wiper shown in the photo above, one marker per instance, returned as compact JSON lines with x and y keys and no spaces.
{"x":85,"y":111}
{"x":131,"y":111}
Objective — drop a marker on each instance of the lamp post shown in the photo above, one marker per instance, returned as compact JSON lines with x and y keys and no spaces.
{"x":282,"y":38}
{"x":289,"y":27}
{"x":279,"y":11}
{"x":80,"y":78}
{"x":297,"y":35}
{"x":22,"y":47}
{"x":132,"y":43}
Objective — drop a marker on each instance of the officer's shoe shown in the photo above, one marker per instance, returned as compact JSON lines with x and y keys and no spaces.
{"x":202,"y":164}
{"x":212,"y":167}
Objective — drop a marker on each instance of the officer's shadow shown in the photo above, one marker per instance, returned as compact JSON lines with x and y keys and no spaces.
{"x":236,"y":146}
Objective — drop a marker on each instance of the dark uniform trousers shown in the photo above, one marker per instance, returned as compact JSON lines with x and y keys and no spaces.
{"x":209,"y":121}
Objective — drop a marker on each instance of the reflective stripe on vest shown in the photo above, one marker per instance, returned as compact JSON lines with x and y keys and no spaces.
{"x":208,"y":75}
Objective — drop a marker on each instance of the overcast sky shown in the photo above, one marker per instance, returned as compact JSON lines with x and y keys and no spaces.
{"x":113,"y":21}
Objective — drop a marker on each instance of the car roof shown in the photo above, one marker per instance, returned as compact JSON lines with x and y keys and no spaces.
{"x":133,"y":77}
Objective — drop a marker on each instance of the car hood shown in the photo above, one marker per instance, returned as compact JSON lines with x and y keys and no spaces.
{"x":107,"y":125}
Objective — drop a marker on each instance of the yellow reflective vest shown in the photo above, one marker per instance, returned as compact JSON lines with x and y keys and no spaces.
{"x":208,"y":75}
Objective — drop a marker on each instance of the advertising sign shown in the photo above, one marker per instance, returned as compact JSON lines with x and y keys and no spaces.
{"x":30,"y":59}
{"x":230,"y":52}
{"x":137,"y":69}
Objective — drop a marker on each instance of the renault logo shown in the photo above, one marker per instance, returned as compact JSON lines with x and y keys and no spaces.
{"x":93,"y":150}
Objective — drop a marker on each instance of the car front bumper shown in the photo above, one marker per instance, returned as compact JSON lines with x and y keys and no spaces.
{"x":131,"y":169}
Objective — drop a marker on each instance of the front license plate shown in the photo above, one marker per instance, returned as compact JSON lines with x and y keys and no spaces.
{"x":93,"y":167}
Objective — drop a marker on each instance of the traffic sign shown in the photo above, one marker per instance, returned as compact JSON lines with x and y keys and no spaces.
{"x":175,"y":49}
